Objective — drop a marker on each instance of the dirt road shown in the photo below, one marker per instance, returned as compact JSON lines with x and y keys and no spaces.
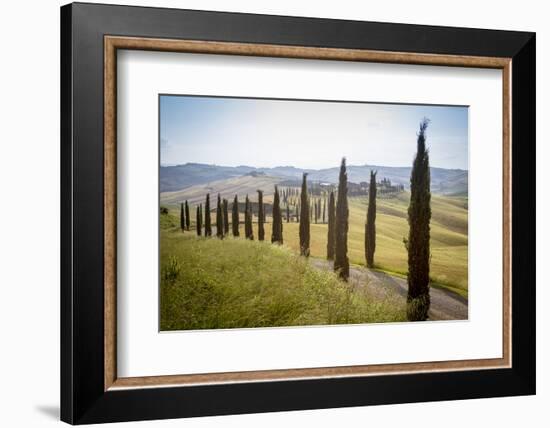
{"x":445,"y":305}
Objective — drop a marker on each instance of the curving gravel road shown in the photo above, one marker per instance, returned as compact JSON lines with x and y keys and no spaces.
{"x":445,"y":305}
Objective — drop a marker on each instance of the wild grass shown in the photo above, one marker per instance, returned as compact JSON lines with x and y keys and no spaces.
{"x":449,"y":238}
{"x":250,"y":284}
{"x":236,"y":283}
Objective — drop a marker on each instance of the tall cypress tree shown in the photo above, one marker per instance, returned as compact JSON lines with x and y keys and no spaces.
{"x":261,"y":217}
{"x":331,"y":226}
{"x":418,"y":244}
{"x":246,"y":207}
{"x":277,"y":227}
{"x":248,"y":219}
{"x":341,"y":262}
{"x":207,"y":219}
{"x":225,"y":217}
{"x":304,"y":218}
{"x":370,"y":227}
{"x":235,"y":216}
{"x":324,"y":208}
{"x":182,"y":217}
{"x":219,"y":218}
{"x":187,"y":216}
{"x":198,"y":220}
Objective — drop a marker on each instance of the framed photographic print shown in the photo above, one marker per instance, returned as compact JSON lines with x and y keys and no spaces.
{"x":265,"y":213}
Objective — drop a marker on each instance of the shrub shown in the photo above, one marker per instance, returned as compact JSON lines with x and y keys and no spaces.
{"x":172,"y":269}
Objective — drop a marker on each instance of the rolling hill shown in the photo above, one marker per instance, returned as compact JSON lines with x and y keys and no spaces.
{"x":176,"y":178}
{"x":449,"y":227}
{"x":227,"y":188}
{"x":237,"y":283}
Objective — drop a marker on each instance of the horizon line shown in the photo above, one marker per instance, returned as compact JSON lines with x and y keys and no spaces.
{"x":304,"y":169}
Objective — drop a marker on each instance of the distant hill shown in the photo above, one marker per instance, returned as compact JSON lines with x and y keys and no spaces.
{"x":175,"y":178}
{"x":181,"y":176}
{"x":227,"y":188}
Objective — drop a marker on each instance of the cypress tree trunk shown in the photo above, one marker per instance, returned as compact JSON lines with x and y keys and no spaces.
{"x":235,"y":216}
{"x":331,"y":226}
{"x":207,"y":219}
{"x":304,"y":218}
{"x":219,"y":219}
{"x":370,"y":228}
{"x":341,"y":262}
{"x":187,"y":216}
{"x":261,"y":218}
{"x":418,"y":244}
{"x":225,"y":217}
{"x":287,"y":213}
{"x":324,"y":208}
{"x":182,"y":217}
{"x":198,"y":221}
{"x":277,"y":228}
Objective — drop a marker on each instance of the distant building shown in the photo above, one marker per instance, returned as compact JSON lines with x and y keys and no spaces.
{"x":384,"y":187}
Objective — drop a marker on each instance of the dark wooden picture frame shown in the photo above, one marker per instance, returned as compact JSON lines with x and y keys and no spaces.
{"x":90,"y":389}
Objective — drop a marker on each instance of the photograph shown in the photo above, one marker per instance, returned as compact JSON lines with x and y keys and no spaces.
{"x":281,"y":212}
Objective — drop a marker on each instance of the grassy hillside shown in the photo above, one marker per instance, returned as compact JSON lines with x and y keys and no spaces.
{"x":236,"y":283}
{"x":449,"y":237}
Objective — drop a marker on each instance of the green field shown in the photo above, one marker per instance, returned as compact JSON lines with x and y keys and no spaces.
{"x":449,"y":237}
{"x":207,"y":283}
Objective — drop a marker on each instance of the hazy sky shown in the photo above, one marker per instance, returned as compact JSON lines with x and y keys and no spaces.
{"x":306,"y":134}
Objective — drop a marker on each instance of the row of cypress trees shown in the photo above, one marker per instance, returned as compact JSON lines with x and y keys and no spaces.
{"x":419,"y":216}
{"x":338,"y":223}
{"x":185,"y":220}
{"x":222,"y":218}
{"x":417,"y":244}
{"x":317,"y":210}
{"x":337,"y":218}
